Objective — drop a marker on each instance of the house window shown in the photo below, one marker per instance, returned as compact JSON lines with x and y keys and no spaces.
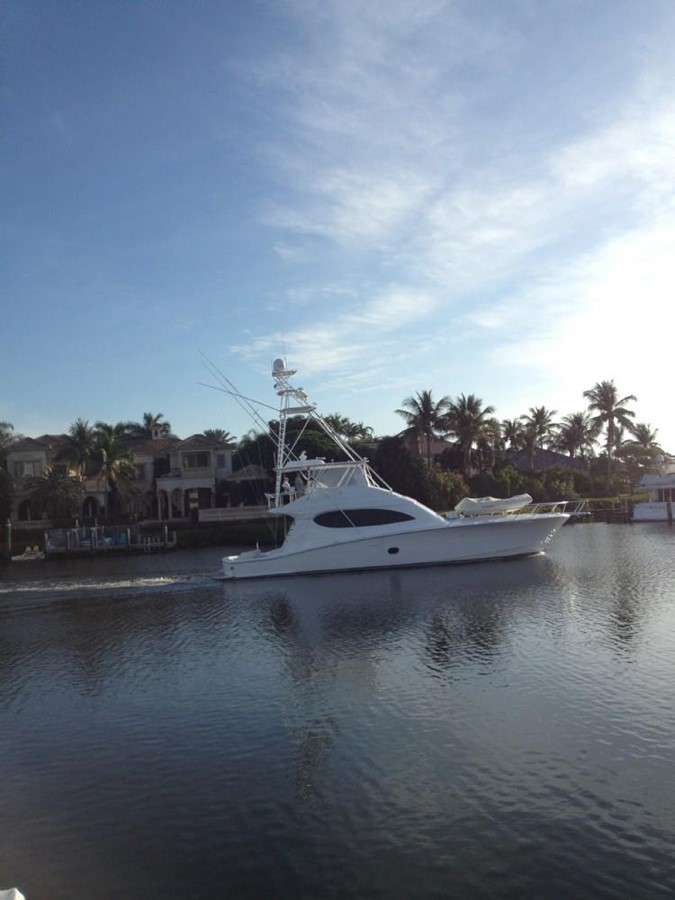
{"x":25,"y":469}
{"x":220,"y":461}
{"x":140,"y":471}
{"x":195,"y":460}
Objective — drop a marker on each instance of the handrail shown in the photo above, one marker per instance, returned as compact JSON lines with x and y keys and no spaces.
{"x":560,"y":507}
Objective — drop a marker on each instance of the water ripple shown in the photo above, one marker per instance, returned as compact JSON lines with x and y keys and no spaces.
{"x":503,"y":730}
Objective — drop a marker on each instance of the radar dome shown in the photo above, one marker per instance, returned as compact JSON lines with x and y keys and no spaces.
{"x":278,"y":366}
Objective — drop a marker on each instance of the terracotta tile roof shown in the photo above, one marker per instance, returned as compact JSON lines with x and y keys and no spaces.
{"x":544,"y":459}
{"x":200,"y":441}
{"x":52,"y":439}
{"x":158,"y":445}
{"x":29,"y":443}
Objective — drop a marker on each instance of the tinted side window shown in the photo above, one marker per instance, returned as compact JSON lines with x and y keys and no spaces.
{"x":358,"y":518}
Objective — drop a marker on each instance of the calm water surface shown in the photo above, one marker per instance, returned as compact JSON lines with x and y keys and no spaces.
{"x":495,"y":730}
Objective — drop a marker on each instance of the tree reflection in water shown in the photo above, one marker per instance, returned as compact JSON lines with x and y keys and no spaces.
{"x":465,"y":632}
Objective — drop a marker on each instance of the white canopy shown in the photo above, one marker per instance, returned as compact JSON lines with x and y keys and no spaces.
{"x":298,"y":464}
{"x":485,"y":505}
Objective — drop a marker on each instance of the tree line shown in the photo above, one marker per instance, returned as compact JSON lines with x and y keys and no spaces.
{"x":475,"y":429}
{"x":479,"y":459}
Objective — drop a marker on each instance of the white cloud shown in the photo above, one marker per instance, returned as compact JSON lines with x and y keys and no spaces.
{"x":640,"y":146}
{"x":290,"y":253}
{"x":348,"y":206}
{"x":351,"y":336}
{"x":541,"y":257}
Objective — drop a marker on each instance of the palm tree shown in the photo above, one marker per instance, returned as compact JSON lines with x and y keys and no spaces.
{"x":7,"y":438}
{"x":528,"y":442}
{"x":55,"y":493}
{"x":490,"y":441}
{"x":576,"y":434}
{"x":219,"y":434}
{"x":540,"y":421}
{"x":350,"y":431}
{"x":256,"y":448}
{"x":79,"y":445}
{"x":357,"y":431}
{"x":646,"y":437}
{"x":117,"y":467}
{"x":512,"y":432}
{"x":611,"y":413}
{"x":337,"y":422}
{"x":145,"y":429}
{"x":425,"y":417}
{"x":639,"y":453}
{"x":467,"y":419}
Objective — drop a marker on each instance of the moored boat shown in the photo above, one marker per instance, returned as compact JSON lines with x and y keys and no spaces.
{"x":30,"y":554}
{"x":661,"y":487}
{"x":344,"y":517}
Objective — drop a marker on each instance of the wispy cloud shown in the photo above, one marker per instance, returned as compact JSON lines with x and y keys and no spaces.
{"x":383,"y":156}
{"x":464,"y":196}
{"x":338,"y":342}
{"x":352,"y":205}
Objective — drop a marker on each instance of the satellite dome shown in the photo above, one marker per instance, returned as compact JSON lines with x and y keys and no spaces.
{"x":278,"y":366}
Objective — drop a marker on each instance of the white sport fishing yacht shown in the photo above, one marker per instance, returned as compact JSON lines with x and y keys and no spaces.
{"x":344,"y":517}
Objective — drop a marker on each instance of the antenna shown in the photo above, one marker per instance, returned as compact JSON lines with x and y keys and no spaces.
{"x":226,"y":386}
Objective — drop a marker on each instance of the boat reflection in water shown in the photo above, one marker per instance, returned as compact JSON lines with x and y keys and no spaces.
{"x":341,"y":634}
{"x":361,"y":609}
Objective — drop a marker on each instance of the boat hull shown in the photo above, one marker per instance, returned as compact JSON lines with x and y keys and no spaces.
{"x":461,"y":541}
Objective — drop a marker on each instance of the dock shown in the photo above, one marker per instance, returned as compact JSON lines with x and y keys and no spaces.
{"x":106,"y":539}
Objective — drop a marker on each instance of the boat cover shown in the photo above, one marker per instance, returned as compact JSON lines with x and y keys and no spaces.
{"x":481,"y":506}
{"x":11,"y":894}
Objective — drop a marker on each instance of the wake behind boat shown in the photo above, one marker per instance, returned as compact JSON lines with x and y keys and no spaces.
{"x":344,"y":517}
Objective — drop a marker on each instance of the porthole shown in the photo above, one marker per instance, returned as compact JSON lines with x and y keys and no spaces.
{"x":392,"y":550}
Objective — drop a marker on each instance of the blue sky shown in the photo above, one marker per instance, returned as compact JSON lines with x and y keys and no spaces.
{"x":469,"y":197}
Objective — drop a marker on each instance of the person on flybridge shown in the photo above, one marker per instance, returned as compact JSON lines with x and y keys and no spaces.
{"x":286,"y":489}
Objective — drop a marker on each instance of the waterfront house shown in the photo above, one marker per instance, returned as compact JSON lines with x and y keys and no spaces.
{"x":196,"y":467}
{"x":27,"y":458}
{"x":173,"y":477}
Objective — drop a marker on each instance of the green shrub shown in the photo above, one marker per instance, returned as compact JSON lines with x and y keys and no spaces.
{"x":447,"y":489}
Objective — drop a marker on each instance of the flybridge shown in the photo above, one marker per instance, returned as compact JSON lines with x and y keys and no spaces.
{"x":294,"y":402}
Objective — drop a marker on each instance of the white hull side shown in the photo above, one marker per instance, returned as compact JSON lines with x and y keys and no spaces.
{"x":464,"y":541}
